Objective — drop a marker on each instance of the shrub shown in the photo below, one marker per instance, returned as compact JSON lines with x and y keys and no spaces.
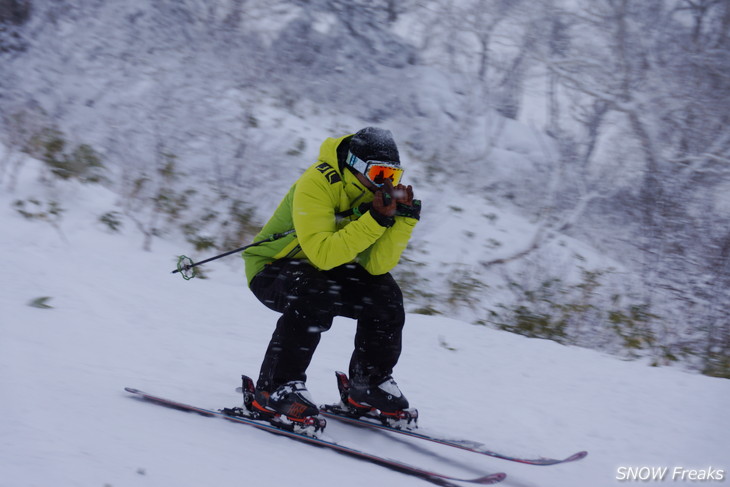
{"x":112,"y":220}
{"x":82,"y":162}
{"x":578,"y":314}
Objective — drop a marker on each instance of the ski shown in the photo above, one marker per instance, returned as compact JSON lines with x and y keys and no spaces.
{"x":434,"y":477}
{"x":373,"y":420}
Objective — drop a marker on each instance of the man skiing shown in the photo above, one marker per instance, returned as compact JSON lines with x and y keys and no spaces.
{"x":351,"y":220}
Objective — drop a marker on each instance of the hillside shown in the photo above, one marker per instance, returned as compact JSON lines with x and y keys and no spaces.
{"x":118,"y":318}
{"x":571,"y":157}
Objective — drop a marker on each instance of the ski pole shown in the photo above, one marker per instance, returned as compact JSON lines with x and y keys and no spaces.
{"x":185,"y":264}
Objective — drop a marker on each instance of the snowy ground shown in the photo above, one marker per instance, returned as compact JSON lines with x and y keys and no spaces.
{"x":118,"y":318}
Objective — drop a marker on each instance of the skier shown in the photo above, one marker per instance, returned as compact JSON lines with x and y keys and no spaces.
{"x":352,"y":219}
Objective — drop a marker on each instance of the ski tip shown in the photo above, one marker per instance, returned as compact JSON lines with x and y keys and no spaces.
{"x":132,"y":390}
{"x":490,"y":479}
{"x":577,"y":456}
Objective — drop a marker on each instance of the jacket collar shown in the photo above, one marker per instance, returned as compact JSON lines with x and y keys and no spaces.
{"x":355,"y":190}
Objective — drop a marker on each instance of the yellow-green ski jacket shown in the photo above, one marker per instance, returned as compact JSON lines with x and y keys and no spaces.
{"x":319,"y":237}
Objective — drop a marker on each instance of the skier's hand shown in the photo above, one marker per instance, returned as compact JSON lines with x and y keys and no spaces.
{"x":405,"y":204}
{"x":384,"y":203}
{"x":403,"y":194}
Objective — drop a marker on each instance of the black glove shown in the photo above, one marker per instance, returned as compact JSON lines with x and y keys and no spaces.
{"x":359,"y":210}
{"x":383,"y":205}
{"x":409,"y":211}
{"x":383,"y":220}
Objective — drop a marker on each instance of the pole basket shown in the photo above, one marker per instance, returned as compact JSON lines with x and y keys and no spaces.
{"x":186,"y":267}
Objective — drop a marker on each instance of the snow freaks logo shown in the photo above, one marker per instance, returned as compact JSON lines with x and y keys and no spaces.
{"x":659,"y":474}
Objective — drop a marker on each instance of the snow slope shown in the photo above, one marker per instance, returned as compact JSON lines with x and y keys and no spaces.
{"x":118,"y":318}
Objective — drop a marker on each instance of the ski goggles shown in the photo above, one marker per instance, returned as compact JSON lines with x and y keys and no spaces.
{"x":376,"y":171}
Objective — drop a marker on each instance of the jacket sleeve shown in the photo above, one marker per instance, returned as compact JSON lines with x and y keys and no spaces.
{"x":313,"y":213}
{"x":385,"y":253}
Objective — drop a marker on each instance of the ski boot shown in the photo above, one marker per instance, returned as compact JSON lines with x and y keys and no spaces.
{"x":289,"y":407}
{"x":383,"y":402}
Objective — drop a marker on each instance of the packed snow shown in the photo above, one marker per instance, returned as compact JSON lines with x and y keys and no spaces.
{"x":114,"y":316}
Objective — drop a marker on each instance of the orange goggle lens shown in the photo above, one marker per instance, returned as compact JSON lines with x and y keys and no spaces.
{"x":378,"y":173}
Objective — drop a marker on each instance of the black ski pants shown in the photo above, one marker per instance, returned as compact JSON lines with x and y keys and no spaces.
{"x":309,"y":299}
